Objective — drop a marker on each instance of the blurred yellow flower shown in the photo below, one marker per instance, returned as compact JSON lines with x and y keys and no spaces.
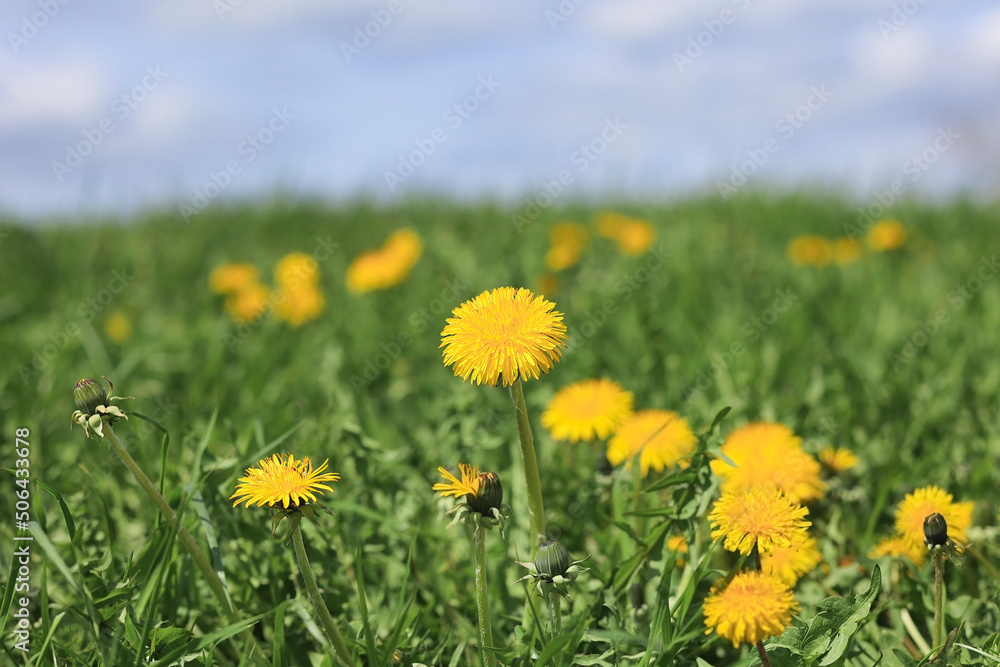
{"x":633,"y":236}
{"x":249,"y":303}
{"x":753,"y":606}
{"x":809,"y":249}
{"x":839,"y":459}
{"x":296,"y":269}
{"x":790,"y":563}
{"x":386,"y":267}
{"x":587,"y":410}
{"x":299,"y":304}
{"x":230,"y":278}
{"x":548,"y":283}
{"x":117,"y":326}
{"x":566,"y":243}
{"x":899,"y":547}
{"x":769,"y":453}
{"x":886,"y":235}
{"x":661,"y":438}
{"x":846,"y":250}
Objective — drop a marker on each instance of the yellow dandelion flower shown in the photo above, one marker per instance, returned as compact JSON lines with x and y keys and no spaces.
{"x":297,"y":269}
{"x":632,"y":235}
{"x":299,"y":304}
{"x":468,"y":485}
{"x":249,"y":304}
{"x":809,"y":249}
{"x":503,"y":334}
{"x":587,"y":410}
{"x":767,"y":452}
{"x":388,"y":266}
{"x":483,"y":491}
{"x":899,"y":547}
{"x":886,"y":235}
{"x":677,"y":543}
{"x":231,"y":278}
{"x":282,"y":481}
{"x":928,"y":500}
{"x":118,"y":327}
{"x":761,"y":516}
{"x":792,"y":562}
{"x":839,"y":459}
{"x":661,"y":438}
{"x":635,"y":237}
{"x":846,"y":250}
{"x":567,"y":241}
{"x":753,"y":606}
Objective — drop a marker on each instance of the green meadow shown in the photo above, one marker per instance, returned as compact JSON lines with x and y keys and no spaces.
{"x":895,"y":356}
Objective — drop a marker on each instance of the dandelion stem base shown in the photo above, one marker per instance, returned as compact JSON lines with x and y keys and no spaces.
{"x":332,"y":633}
{"x":483,"y":600}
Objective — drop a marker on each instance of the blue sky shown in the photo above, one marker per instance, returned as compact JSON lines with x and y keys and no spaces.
{"x":112,"y":107}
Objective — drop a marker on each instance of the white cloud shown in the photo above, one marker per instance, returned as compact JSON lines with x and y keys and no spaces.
{"x":34,"y":94}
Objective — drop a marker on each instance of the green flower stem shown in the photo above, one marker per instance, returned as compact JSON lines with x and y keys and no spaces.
{"x":332,"y":633}
{"x":483,"y":601}
{"x":764,"y":660}
{"x":555,"y":609}
{"x":199,"y":557}
{"x":938,"y":634}
{"x":533,"y":483}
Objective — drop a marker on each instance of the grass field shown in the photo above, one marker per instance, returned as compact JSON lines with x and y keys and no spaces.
{"x":893,"y":356}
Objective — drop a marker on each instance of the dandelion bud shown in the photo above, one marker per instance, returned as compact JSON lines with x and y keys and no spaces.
{"x":490,"y":494}
{"x":88,"y":394}
{"x":552,"y":559}
{"x":935,"y":531}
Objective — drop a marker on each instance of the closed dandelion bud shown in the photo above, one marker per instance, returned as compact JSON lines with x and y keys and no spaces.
{"x":935,"y":531}
{"x":489,"y":497}
{"x":88,"y":394}
{"x":552,"y":559}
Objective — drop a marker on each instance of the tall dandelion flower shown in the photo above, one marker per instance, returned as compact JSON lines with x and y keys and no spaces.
{"x":752,"y":607}
{"x":769,"y":453}
{"x":283,"y":482}
{"x":503,"y":335}
{"x":886,"y":235}
{"x":762,"y":516}
{"x":792,"y":562}
{"x":290,"y":487}
{"x":587,"y":410}
{"x":661,"y":438}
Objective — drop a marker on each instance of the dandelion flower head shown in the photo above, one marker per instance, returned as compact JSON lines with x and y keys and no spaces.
{"x":761,"y":516}
{"x":283,"y":481}
{"x":661,"y":438}
{"x":753,"y":606}
{"x":587,"y":410}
